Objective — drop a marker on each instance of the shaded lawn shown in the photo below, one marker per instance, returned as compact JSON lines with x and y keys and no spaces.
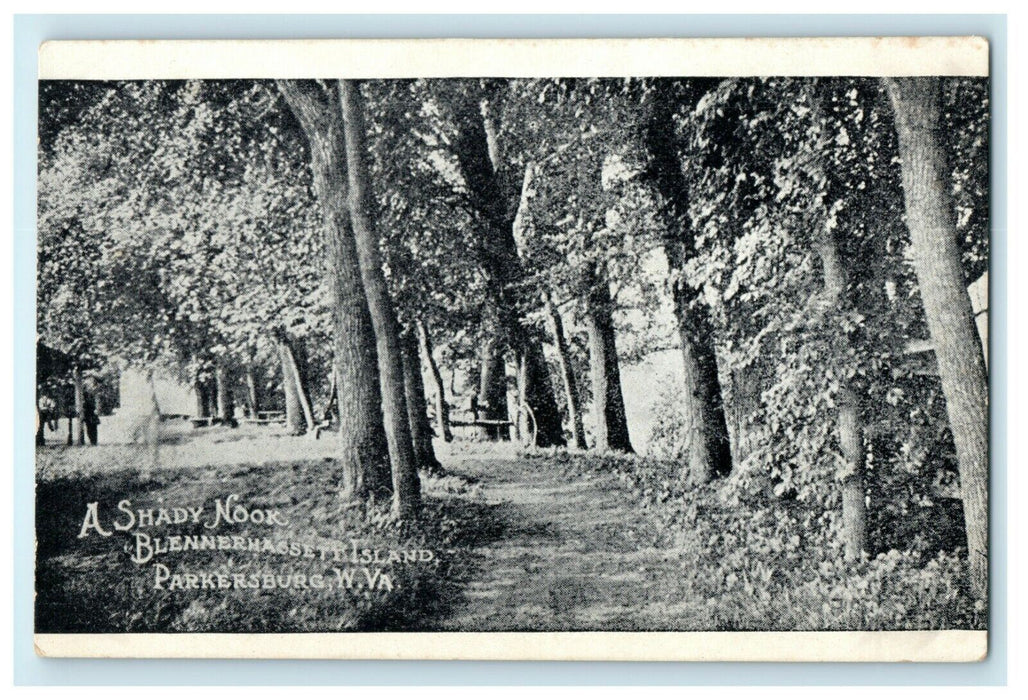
{"x":543,"y":540}
{"x":90,"y":584}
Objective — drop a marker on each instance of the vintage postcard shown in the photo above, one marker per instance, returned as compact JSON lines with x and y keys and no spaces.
{"x":664,"y":349}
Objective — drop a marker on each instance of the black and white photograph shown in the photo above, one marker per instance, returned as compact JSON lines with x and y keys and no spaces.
{"x":670,"y":352}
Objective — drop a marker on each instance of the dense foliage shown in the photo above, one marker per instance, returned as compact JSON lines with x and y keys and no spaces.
{"x":758,"y":226}
{"x":748,"y":560}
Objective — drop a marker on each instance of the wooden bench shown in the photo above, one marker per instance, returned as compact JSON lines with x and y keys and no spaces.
{"x":529,"y":436}
{"x":481,"y":423}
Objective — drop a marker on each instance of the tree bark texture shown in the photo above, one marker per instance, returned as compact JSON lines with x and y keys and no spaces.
{"x":406,"y":484}
{"x":492,"y":389}
{"x":363,"y":454}
{"x":848,"y":423}
{"x":226,"y":406}
{"x":709,"y":450}
{"x":917,"y":103}
{"x":253,"y":405}
{"x":537,"y":394}
{"x":80,"y":406}
{"x":567,"y":372}
{"x":417,"y":410}
{"x":294,"y":414}
{"x":442,"y":408}
{"x":610,"y":428}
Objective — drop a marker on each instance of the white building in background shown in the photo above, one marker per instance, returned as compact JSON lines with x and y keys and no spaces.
{"x":174,"y":397}
{"x":133,"y":422}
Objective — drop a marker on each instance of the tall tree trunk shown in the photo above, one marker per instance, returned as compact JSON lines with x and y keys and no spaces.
{"x":80,"y":407}
{"x":535,"y":391}
{"x":567,"y":372}
{"x":742,"y":407}
{"x":854,"y":493}
{"x":849,"y":425}
{"x":406,"y":484}
{"x":521,"y":426}
{"x":200,"y":395}
{"x":492,"y":390}
{"x":610,"y":425}
{"x":153,"y":424}
{"x":917,"y":103}
{"x":709,"y":450}
{"x":331,"y":408}
{"x":479,"y":153}
{"x":226,"y":408}
{"x":297,"y":375}
{"x":252,"y":401}
{"x":537,"y":394}
{"x":211,"y":398}
{"x":417,"y":412}
{"x":363,"y":455}
{"x":442,"y":409}
{"x":294,"y":414}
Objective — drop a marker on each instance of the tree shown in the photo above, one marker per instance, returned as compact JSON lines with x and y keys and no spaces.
{"x":417,"y":410}
{"x":299,"y":411}
{"x":196,"y":201}
{"x":426,"y":228}
{"x":406,"y":485}
{"x":524,"y":231}
{"x":442,"y":408}
{"x":610,"y":429}
{"x":363,"y":450}
{"x":567,"y":373}
{"x":226,"y":406}
{"x":578,"y":198}
{"x":916,"y":103}
{"x":81,"y":188}
{"x":709,"y":451}
{"x":478,"y":149}
{"x":787,"y":225}
{"x":849,"y":424}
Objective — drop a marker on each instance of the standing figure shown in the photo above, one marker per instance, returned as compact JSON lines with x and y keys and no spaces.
{"x":91,"y":419}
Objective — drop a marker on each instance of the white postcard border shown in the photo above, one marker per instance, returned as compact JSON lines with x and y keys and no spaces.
{"x":436,"y":58}
{"x":921,"y":646}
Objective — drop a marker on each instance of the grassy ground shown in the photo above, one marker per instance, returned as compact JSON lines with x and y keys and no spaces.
{"x":573,"y":553}
{"x":536,"y":541}
{"x":91,"y":584}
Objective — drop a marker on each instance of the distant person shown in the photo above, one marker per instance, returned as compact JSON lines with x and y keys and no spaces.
{"x":91,"y":420}
{"x":46,"y":417}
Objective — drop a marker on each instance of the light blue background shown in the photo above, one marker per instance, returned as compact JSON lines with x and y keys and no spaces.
{"x":31,"y":30}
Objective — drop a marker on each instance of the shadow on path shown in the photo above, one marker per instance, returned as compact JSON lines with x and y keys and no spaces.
{"x":559,"y":553}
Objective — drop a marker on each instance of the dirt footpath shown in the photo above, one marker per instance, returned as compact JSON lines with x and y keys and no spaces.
{"x":570,"y":553}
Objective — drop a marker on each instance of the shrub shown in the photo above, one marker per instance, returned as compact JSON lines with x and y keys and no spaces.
{"x":752,"y":561}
